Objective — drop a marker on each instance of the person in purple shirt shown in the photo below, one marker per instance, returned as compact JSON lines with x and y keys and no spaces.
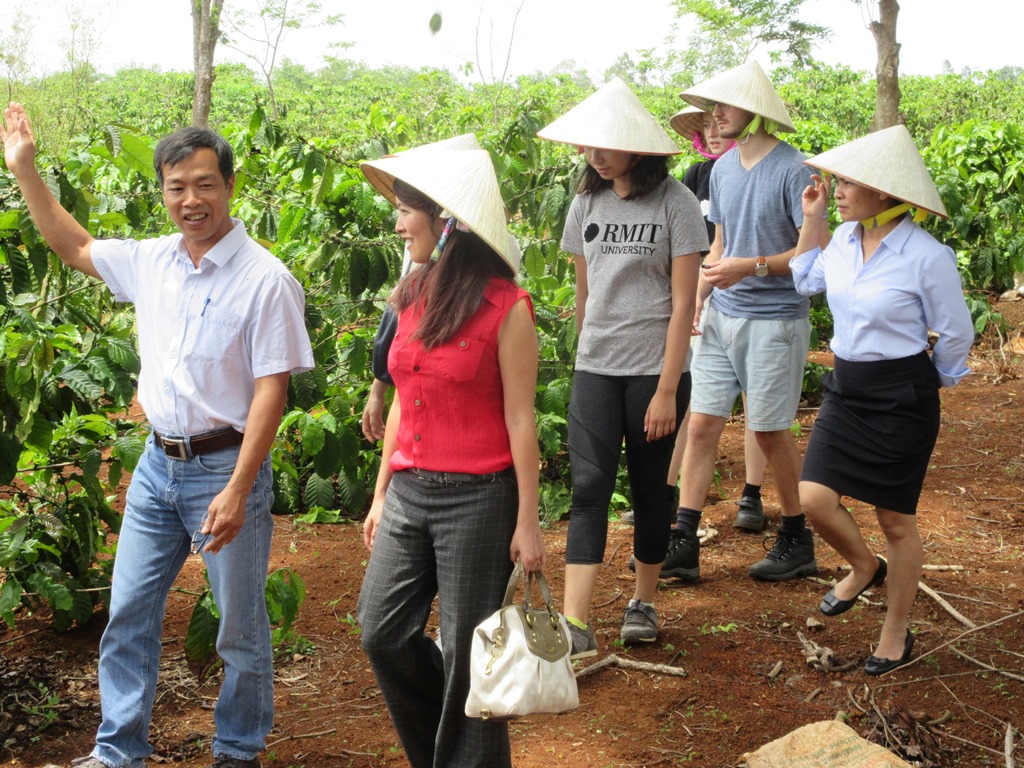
{"x":888,"y":284}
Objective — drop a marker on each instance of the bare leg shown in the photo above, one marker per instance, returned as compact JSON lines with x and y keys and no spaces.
{"x":906,"y":557}
{"x":646,"y":581}
{"x":579,"y":590}
{"x":836,"y":526}
{"x":784,"y":458}
{"x":676,"y":463}
{"x":754,"y":460}
{"x":698,"y":468}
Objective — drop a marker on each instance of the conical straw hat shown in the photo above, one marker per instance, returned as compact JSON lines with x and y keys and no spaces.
{"x":886,"y":161}
{"x":612,"y":118}
{"x":746,"y":87}
{"x":461,"y":182}
{"x":688,"y":122}
{"x":454,"y":144}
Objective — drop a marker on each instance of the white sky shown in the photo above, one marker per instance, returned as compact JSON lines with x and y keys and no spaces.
{"x":593,"y":33}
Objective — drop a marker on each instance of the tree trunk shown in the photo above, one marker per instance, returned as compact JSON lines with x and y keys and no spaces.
{"x":205,"y":31}
{"x":887,"y":70}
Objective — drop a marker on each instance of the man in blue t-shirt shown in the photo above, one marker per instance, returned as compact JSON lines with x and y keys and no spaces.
{"x":755,"y":329}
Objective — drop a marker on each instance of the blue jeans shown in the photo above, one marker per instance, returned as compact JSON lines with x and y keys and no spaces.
{"x":166,"y":502}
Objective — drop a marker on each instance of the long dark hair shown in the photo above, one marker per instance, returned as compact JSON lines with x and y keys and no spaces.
{"x":644,"y":177}
{"x":451,"y":288}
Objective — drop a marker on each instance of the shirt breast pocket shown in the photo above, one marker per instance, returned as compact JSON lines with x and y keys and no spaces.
{"x":218,"y":334}
{"x":459,"y":359}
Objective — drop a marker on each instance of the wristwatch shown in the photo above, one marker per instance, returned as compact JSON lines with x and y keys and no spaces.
{"x":761,"y":267}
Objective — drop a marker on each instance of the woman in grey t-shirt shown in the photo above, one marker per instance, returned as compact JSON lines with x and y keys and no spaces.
{"x":636,"y":235}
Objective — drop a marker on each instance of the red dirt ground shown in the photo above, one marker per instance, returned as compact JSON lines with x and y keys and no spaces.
{"x":746,"y":679}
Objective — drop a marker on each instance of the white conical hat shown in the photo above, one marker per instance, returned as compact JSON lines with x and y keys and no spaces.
{"x":688,"y":122}
{"x":463,"y":183}
{"x":746,"y":87}
{"x":612,"y":118}
{"x":886,"y":161}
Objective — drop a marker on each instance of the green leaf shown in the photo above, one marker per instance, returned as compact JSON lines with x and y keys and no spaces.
{"x":285,"y":593}
{"x":129,"y":449}
{"x":21,"y":275}
{"x":327,"y":459}
{"x":201,"y":635}
{"x":324,"y":185}
{"x":358,"y":272}
{"x":10,"y":598}
{"x":312,"y":433}
{"x":319,"y":492}
{"x":9,"y":220}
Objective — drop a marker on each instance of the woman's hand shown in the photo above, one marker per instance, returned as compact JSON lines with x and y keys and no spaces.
{"x":660,"y":419}
{"x":528,"y":545}
{"x":372,"y":522}
{"x":815,"y":199}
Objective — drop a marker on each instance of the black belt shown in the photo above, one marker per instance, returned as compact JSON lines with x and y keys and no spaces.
{"x":457,"y":478}
{"x":184,"y":448}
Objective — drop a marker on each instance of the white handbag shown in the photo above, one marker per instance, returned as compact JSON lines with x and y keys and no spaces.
{"x":519,"y":658}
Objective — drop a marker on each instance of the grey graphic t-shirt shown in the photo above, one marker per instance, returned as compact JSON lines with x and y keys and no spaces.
{"x":628,"y":246}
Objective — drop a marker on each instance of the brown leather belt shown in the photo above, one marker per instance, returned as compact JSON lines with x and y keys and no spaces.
{"x":184,"y":448}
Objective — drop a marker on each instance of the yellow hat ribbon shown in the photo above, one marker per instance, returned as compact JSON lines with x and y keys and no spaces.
{"x":897,"y":210}
{"x":770,"y":127}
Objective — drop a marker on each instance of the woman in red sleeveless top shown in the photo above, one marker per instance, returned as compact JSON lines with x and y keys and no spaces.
{"x":455,"y":503}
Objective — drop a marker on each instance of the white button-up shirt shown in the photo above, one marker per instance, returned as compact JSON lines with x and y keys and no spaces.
{"x":206,"y":334}
{"x":883,"y":309}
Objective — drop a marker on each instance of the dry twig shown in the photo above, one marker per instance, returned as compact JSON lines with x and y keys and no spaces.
{"x":989,"y":667}
{"x":946,"y":606}
{"x":622,"y":662}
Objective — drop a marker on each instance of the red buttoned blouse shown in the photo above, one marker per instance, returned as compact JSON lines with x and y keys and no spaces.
{"x":453,"y":409}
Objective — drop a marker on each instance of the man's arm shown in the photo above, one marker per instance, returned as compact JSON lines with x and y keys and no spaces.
{"x":65,"y":236}
{"x":226,"y":514}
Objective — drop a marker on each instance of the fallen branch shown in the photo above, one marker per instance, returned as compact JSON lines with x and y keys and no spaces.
{"x":961,"y":636}
{"x":292,"y":737}
{"x":989,"y":667}
{"x":622,"y":662}
{"x":946,"y":606}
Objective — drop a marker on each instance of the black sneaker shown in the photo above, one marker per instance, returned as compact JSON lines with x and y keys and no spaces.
{"x":683,"y":558}
{"x":223,"y":761}
{"x":792,"y":556}
{"x":750,"y":515}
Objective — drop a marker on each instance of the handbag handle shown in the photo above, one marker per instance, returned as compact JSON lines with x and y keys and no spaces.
{"x":533,"y":577}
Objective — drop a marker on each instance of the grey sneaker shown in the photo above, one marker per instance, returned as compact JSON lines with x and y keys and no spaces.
{"x":639,"y":623}
{"x":584,"y":644}
{"x":750,"y":515}
{"x":88,"y":762}
{"x":628,"y":517}
{"x":790,"y":558}
{"x":223,"y":761}
{"x":682,"y":561}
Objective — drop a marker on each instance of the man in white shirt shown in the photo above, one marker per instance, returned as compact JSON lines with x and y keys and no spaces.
{"x":221,"y":329}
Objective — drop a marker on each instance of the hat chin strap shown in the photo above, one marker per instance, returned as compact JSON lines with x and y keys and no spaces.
{"x":770,"y":126}
{"x":886,"y":216}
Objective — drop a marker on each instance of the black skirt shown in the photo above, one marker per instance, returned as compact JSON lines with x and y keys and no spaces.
{"x":875,"y":431}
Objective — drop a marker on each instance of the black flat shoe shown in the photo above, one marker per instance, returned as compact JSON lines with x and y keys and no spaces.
{"x":833,"y":606}
{"x":875,"y":666}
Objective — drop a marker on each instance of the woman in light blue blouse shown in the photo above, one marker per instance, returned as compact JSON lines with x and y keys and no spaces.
{"x":888,"y":284}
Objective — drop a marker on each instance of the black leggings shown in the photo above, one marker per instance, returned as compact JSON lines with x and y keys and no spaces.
{"x":602,"y":411}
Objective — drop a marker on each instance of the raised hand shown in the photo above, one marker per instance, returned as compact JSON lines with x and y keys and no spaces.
{"x":16,"y":134}
{"x":815,"y":198}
